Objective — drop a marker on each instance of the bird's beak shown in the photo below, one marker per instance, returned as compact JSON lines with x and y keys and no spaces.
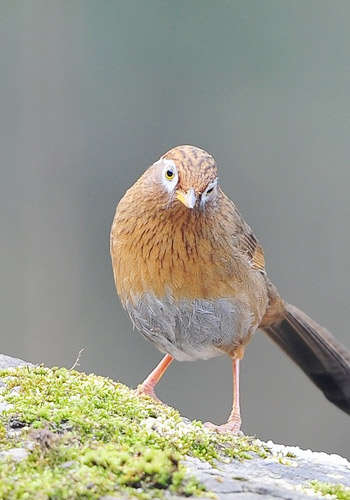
{"x":188,"y":198}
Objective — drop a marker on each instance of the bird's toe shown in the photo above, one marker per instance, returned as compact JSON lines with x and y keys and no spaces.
{"x":144,"y":390}
{"x":229,"y":427}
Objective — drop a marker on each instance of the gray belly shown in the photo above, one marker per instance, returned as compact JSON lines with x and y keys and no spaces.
{"x":190,"y":329}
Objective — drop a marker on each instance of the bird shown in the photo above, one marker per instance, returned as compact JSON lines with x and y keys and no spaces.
{"x":191,"y":275}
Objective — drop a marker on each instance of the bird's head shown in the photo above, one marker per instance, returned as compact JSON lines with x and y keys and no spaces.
{"x":188,"y":175}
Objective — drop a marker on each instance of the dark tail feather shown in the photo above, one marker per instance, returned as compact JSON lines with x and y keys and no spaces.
{"x":324,"y":360}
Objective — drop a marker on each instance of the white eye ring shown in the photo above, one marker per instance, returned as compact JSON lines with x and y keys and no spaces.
{"x":211,"y":187}
{"x":169,"y":174}
{"x":207,"y":194}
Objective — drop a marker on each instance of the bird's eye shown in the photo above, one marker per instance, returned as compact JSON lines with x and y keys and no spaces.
{"x":210,"y":190}
{"x":169,"y":174}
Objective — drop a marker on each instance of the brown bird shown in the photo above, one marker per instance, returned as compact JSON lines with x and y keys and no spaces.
{"x":191,"y":274}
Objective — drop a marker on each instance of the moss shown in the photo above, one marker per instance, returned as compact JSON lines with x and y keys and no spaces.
{"x":284,"y":461}
{"x":91,"y":436}
{"x":336,"y":490}
{"x":2,"y":433}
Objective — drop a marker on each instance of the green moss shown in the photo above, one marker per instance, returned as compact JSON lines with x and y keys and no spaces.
{"x":2,"y":433}
{"x":336,"y":490}
{"x":94,"y":437}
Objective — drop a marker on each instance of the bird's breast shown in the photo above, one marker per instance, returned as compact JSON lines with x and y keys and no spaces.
{"x":185,"y":253}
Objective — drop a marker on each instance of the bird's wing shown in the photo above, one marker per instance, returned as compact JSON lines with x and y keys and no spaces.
{"x":254,"y":251}
{"x":249,"y":245}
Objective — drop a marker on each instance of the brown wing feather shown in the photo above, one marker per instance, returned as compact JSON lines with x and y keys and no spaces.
{"x":258,"y":259}
{"x":249,"y":245}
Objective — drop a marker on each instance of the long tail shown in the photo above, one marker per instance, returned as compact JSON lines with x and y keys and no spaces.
{"x":324,"y":360}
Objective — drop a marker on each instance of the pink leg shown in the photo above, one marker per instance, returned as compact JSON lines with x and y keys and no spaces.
{"x":147,"y":387}
{"x":234,"y":421}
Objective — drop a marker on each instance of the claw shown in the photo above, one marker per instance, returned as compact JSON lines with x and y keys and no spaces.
{"x":233,"y":426}
{"x":145,"y":390}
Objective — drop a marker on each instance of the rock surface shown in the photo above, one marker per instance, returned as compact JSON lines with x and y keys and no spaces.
{"x":8,"y":362}
{"x":266,"y":478}
{"x":285,"y":474}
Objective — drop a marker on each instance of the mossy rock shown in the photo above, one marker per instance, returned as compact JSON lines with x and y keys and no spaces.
{"x":88,"y":436}
{"x":67,"y":435}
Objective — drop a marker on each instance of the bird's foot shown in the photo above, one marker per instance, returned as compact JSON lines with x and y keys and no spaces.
{"x":147,"y":390}
{"x":233,"y":426}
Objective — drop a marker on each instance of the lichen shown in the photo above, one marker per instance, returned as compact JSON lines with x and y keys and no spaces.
{"x":88,"y":436}
{"x":337,"y":491}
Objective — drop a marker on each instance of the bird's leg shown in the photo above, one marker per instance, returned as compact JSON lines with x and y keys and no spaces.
{"x":234,"y":421}
{"x":147,"y":387}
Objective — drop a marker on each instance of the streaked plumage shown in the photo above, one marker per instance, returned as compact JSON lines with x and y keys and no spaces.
{"x":189,"y":270}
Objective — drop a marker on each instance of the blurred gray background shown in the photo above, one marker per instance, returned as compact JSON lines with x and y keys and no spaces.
{"x":93,"y":92}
